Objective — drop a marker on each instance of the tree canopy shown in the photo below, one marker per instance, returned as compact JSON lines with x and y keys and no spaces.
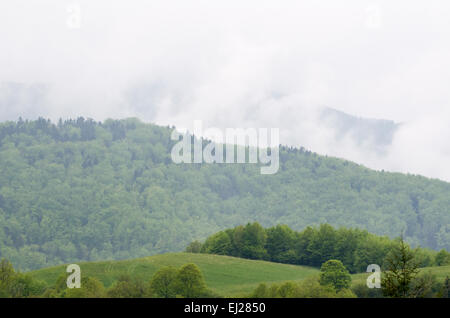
{"x":313,"y":246}
{"x":334,"y":273}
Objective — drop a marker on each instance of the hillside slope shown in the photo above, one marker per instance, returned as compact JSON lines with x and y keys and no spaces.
{"x":81,"y":190}
{"x":225,"y":275}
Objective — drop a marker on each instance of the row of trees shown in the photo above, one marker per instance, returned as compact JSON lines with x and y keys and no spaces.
{"x":356,"y":249}
{"x":167,"y":282}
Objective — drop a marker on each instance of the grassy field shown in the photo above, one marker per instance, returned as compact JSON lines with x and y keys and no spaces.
{"x":226,"y":276}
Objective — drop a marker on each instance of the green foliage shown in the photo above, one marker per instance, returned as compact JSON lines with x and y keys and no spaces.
{"x":442,"y":258}
{"x":91,"y":287}
{"x":85,"y":191}
{"x":424,"y":257}
{"x":7,"y":274}
{"x":128,"y":287}
{"x":163,"y":282}
{"x":356,"y":249}
{"x":362,"y":291}
{"x":189,"y":282}
{"x":225,"y":276}
{"x":249,"y":241}
{"x":334,"y":273}
{"x":445,"y":289}
{"x":308,"y":288}
{"x":280,"y":244}
{"x":311,"y":288}
{"x":194,"y":247}
{"x":288,"y":290}
{"x":425,"y":285}
{"x":345,"y":293}
{"x":17,"y":285}
{"x":260,"y":291}
{"x":401,"y":270}
{"x":24,"y":286}
{"x":219,"y":244}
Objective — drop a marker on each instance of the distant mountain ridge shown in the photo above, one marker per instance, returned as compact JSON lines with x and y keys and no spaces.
{"x":375,"y":134}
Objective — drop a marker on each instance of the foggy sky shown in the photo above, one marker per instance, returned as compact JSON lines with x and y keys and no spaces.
{"x":243,"y":64}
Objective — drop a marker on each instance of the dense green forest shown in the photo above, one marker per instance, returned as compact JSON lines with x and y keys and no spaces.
{"x":82,"y":190}
{"x":355,"y":248}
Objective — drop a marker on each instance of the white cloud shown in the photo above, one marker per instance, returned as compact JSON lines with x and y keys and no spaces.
{"x":254,"y":63}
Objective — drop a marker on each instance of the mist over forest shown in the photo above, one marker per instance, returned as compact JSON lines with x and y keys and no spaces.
{"x":352,"y":180}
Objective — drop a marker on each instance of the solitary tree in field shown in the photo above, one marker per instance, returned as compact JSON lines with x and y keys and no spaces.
{"x":163,"y":282}
{"x":189,"y":282}
{"x":334,"y":273}
{"x":401,"y":270}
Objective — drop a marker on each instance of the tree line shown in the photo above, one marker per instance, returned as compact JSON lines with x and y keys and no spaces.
{"x":313,"y":246}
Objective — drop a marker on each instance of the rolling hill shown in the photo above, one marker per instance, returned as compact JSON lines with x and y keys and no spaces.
{"x":225,"y":275}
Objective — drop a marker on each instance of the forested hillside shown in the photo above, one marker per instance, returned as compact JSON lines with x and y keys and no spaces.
{"x":81,"y":190}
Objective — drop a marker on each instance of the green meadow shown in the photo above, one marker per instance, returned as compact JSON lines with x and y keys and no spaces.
{"x":227,"y":276}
